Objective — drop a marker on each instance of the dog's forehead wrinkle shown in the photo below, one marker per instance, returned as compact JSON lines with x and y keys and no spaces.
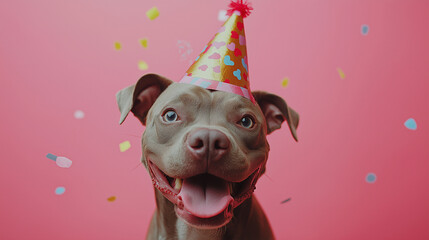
{"x":189,"y":95}
{"x":189,"y":99}
{"x":233,"y":102}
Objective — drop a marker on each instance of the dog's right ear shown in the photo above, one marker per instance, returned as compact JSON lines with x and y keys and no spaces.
{"x":140,"y":97}
{"x":276,"y":111}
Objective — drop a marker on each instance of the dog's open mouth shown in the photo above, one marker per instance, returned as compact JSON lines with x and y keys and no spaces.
{"x":204,"y":200}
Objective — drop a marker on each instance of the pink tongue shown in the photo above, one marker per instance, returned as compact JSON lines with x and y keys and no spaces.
{"x":205,"y":196}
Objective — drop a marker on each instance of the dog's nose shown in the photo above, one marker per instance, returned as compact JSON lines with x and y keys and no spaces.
{"x":208,"y":144}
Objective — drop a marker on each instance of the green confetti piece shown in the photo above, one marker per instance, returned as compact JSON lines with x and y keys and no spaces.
{"x":285,"y":82}
{"x":152,"y":13}
{"x":143,"y":42}
{"x":342,"y":75}
{"x":124,"y":146}
{"x":118,"y":46}
{"x":143,"y":65}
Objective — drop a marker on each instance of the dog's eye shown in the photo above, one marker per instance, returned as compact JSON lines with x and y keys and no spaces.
{"x":247,"y":122}
{"x":170,"y":116}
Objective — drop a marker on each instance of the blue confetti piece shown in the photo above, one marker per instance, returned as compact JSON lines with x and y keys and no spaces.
{"x":285,"y":201}
{"x":371,"y":177}
{"x":60,"y":190}
{"x":364,"y":29}
{"x":411,"y":124}
{"x":52,"y":157}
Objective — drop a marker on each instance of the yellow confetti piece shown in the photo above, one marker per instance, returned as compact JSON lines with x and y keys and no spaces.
{"x":285,"y":82}
{"x":152,"y":13}
{"x":111,"y":199}
{"x":124,"y":146}
{"x":143,"y":42}
{"x":143,"y":65}
{"x":118,"y":46}
{"x":342,"y":75}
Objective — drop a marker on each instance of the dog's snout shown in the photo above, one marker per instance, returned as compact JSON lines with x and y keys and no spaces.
{"x":218,"y":140}
{"x":208,"y":144}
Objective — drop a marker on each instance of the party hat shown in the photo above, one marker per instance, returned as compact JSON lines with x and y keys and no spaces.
{"x":222,"y":65}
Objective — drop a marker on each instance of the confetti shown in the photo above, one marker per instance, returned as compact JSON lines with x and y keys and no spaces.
{"x":185,"y":49}
{"x":143,"y":42}
{"x":143,"y":65}
{"x":285,"y":82}
{"x":342,"y":75}
{"x":78,"y":114}
{"x":222,"y":16}
{"x":364,"y":29}
{"x":62,"y":162}
{"x":111,"y":199}
{"x":370,"y":178}
{"x":285,"y":201}
{"x":60,"y":190}
{"x":411,"y":124}
{"x":118,"y":46}
{"x":124,"y":146}
{"x":52,"y":157}
{"x":152,"y":13}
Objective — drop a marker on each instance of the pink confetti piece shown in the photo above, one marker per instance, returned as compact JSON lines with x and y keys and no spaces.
{"x":63,"y":162}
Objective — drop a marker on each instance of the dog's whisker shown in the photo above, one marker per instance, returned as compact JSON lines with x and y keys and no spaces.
{"x":266,"y":175}
{"x":132,"y":135}
{"x":138,"y":165}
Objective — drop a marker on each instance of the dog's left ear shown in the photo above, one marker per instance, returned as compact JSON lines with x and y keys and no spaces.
{"x":276,"y":111}
{"x":140,"y":97}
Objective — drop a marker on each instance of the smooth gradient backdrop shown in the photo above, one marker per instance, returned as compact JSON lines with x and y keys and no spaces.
{"x":356,"y":71}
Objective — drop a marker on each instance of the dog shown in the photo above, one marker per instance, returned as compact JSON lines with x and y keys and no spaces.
{"x":204,"y":150}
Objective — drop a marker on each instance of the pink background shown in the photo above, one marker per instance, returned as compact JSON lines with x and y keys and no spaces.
{"x":57,"y":57}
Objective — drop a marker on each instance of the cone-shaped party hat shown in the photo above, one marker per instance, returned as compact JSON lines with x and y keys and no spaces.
{"x":222,"y":65}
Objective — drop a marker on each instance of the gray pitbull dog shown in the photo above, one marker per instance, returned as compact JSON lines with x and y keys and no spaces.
{"x":204,"y":151}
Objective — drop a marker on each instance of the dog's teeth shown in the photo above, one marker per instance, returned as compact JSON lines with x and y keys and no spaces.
{"x":231,"y":189}
{"x":177,"y":183}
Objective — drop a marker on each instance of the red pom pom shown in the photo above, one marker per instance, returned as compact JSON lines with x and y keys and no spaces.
{"x":242,"y":6}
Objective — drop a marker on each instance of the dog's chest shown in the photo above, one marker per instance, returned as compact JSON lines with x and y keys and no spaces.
{"x":185,"y":232}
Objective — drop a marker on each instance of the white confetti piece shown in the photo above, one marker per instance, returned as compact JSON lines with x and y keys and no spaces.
{"x":185,"y":49}
{"x":78,"y":114}
{"x":222,"y":16}
{"x":62,"y":162}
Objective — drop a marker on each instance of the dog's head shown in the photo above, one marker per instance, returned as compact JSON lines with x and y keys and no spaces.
{"x":204,"y":149}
